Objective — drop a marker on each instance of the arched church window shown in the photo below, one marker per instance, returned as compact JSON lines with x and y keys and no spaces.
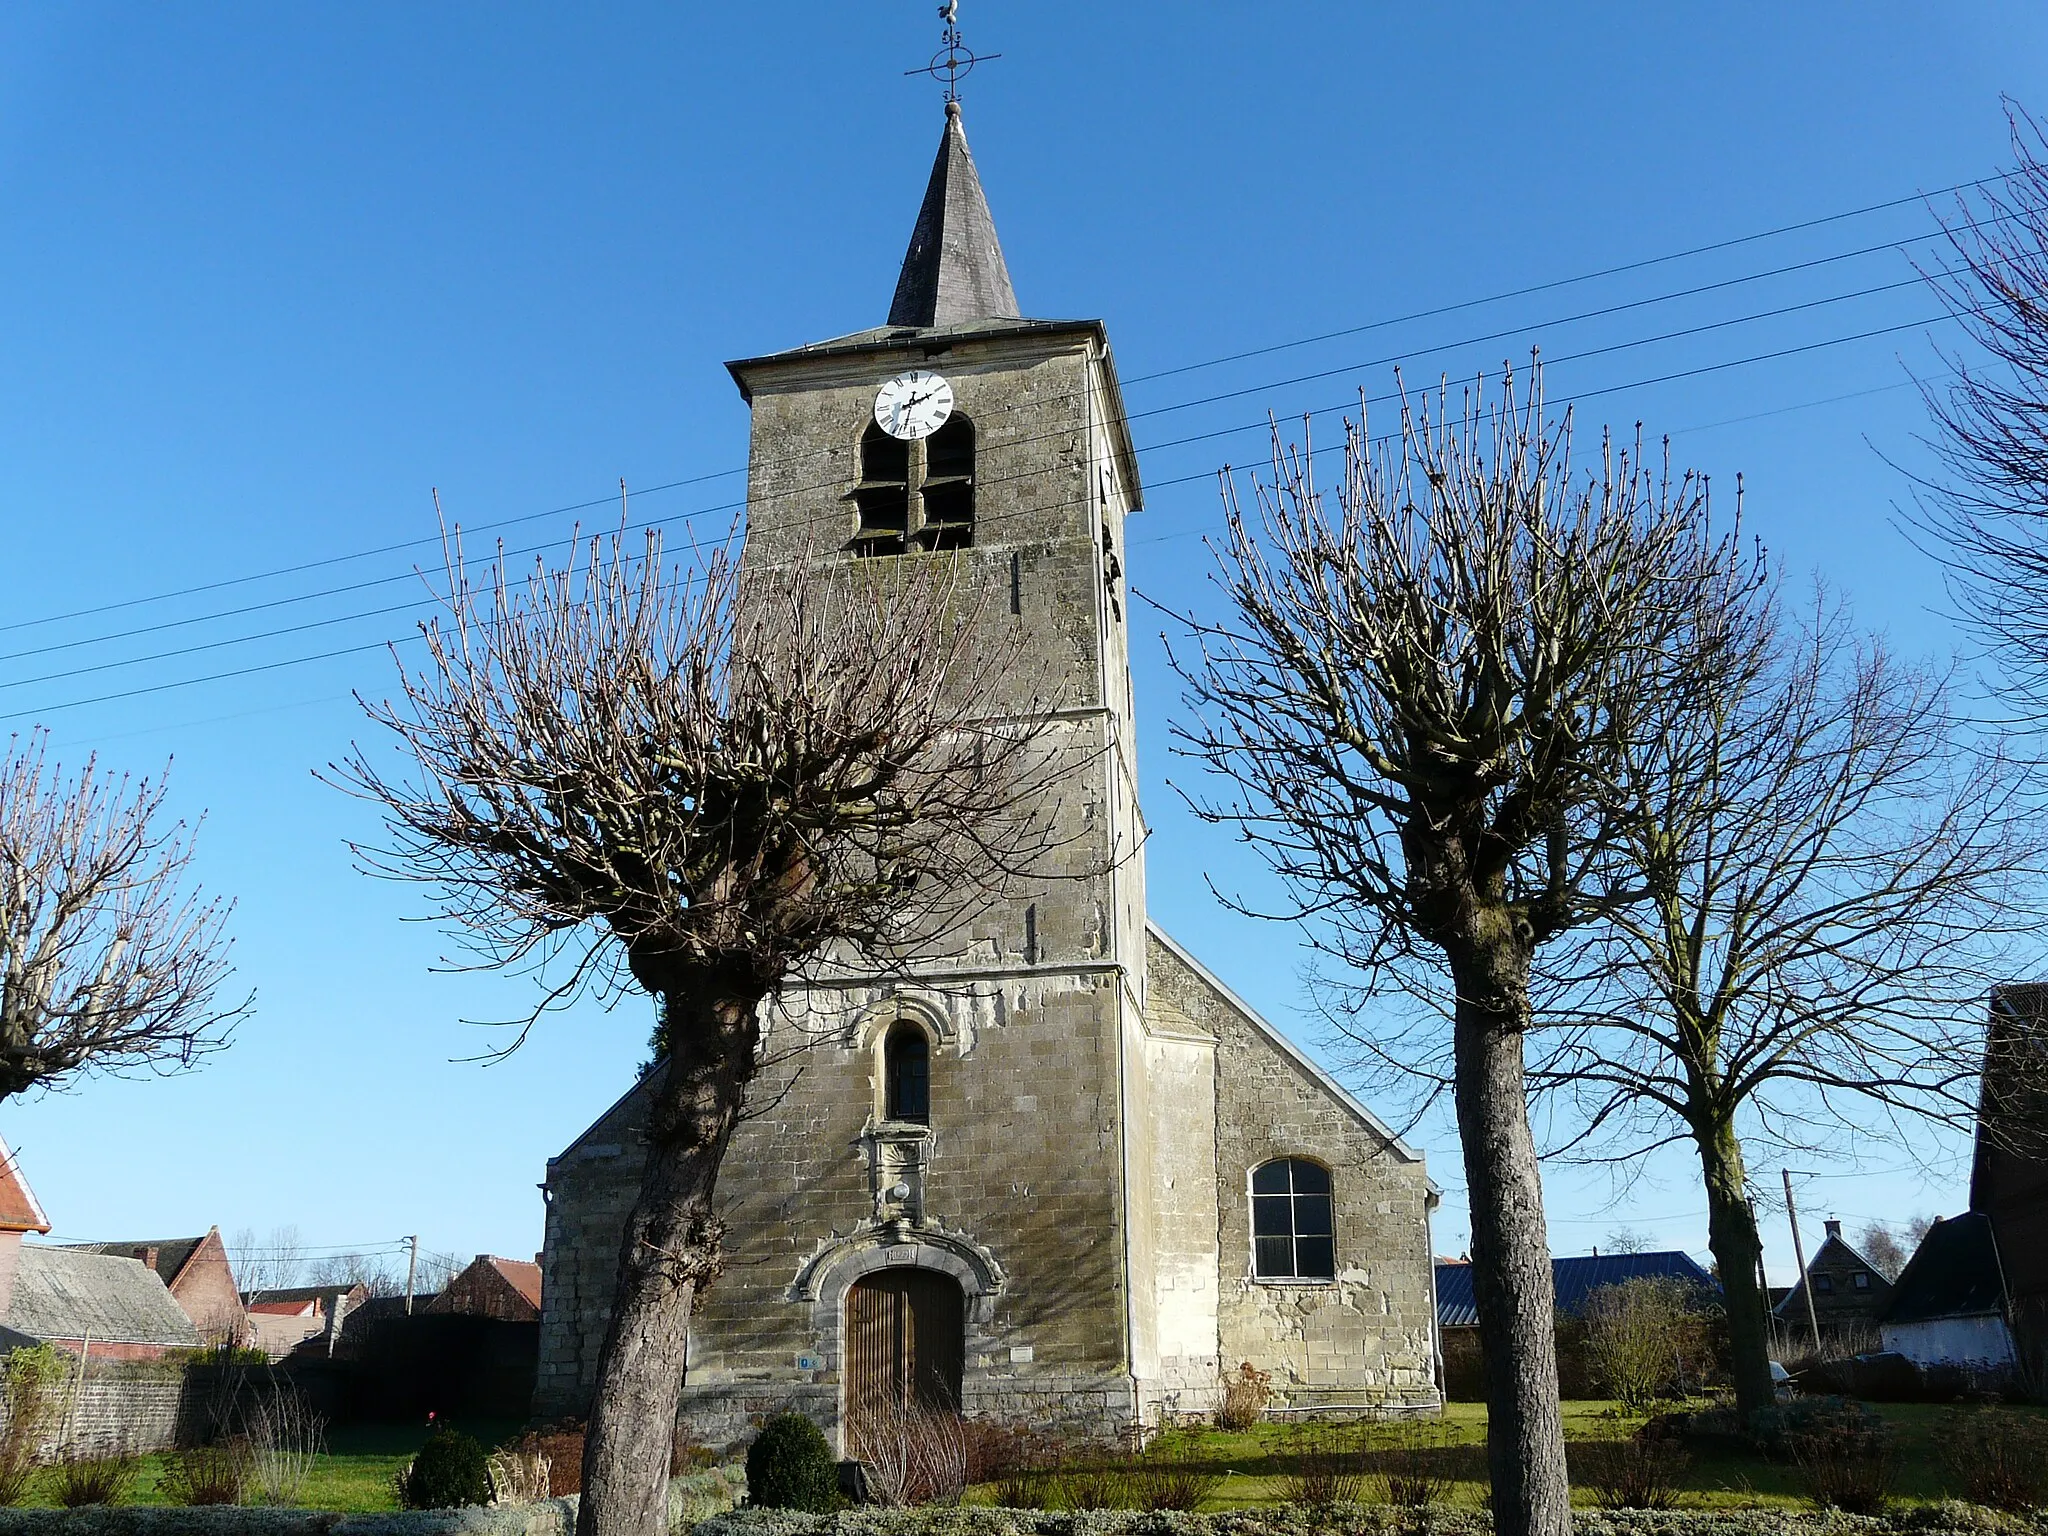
{"x":1293,"y":1230}
{"x":907,"y":1070}
{"x":915,"y":495}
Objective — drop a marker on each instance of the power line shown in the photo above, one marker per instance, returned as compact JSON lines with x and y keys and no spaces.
{"x":206,"y":646}
{"x":1205,"y":474}
{"x":1643,"y":263}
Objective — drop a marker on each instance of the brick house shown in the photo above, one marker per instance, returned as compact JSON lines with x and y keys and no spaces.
{"x":286,"y":1318}
{"x":1059,"y":1170}
{"x":20,"y":1214}
{"x":508,"y":1289}
{"x":200,"y":1278}
{"x":1849,"y":1295}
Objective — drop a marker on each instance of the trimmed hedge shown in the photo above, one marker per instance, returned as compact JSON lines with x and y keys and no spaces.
{"x":690,"y":1500}
{"x":1365,"y":1520}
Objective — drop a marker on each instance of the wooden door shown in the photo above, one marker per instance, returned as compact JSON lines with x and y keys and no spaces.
{"x":906,"y":1338}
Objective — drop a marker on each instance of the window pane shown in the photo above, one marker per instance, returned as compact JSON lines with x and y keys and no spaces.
{"x":1310,"y":1178}
{"x":1273,"y":1256}
{"x":1270,"y":1216}
{"x":1312,"y":1215}
{"x":1315,"y":1258}
{"x":1270,"y":1180}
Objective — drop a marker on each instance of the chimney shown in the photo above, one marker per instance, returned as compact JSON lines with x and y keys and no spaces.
{"x":1834,"y":1226}
{"x":148,"y":1256}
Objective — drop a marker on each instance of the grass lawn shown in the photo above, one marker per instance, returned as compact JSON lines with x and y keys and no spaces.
{"x":355,"y":1476}
{"x":1256,"y":1462}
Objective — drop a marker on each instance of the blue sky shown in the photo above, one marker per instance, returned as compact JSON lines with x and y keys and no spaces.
{"x":270,"y":274}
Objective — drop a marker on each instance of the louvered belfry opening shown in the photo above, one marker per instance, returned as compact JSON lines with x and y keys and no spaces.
{"x":906,"y":1340}
{"x":915,"y":496}
{"x":949,"y":485}
{"x":882,"y":496}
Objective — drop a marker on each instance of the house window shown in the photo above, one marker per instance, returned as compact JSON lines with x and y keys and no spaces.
{"x":915,"y":495}
{"x":907,"y":1065}
{"x":1862,"y":1281}
{"x":1824,"y":1284}
{"x":1293,"y":1234}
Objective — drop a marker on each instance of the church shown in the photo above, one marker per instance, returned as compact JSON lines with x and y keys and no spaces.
{"x":1063,"y":1174}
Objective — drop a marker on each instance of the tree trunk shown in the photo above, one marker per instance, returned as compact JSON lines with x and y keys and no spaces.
{"x":670,"y":1254}
{"x":1512,"y":1282}
{"x":1732,"y":1235}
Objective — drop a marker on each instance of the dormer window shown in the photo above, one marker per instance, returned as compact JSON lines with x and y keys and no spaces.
{"x":915,"y":495}
{"x":907,"y":1069}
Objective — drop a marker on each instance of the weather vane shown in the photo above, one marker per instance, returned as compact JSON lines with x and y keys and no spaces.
{"x":956,"y":60}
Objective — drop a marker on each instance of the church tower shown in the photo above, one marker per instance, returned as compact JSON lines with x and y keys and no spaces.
{"x":1021,"y":1177}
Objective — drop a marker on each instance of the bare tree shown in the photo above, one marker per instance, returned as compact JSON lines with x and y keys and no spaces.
{"x":1990,"y":514}
{"x":1416,"y":706}
{"x":110,"y":959}
{"x":272,"y":1263}
{"x":717,"y":782}
{"x":1879,"y":1244}
{"x":1835,"y":875}
{"x":1628,"y":1240}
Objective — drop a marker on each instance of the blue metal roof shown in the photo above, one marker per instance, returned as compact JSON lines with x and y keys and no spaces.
{"x":1575,"y":1279}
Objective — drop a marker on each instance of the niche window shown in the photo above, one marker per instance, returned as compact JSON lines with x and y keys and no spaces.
{"x":915,"y":496}
{"x":1293,"y":1235}
{"x":907,"y":1074}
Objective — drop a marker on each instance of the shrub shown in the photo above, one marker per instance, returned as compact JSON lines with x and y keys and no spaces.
{"x":35,"y":1378}
{"x":205,"y":1474}
{"x":1847,"y":1459}
{"x":560,"y":1445}
{"x":2000,"y":1458}
{"x":1414,"y":1462}
{"x":1246,"y":1391}
{"x":1640,"y":1472}
{"x":1168,"y":1476}
{"x":285,"y":1438}
{"x":518,"y":1477}
{"x":450,"y":1472}
{"x":94,"y":1480}
{"x":911,"y":1453}
{"x":1325,"y":1466}
{"x":1643,"y":1336}
{"x":789,"y":1466}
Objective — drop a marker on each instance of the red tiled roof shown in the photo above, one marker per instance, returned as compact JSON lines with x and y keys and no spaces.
{"x":19,"y":1209}
{"x":524,"y":1277}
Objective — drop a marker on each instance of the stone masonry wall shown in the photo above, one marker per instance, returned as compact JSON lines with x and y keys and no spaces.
{"x":1368,"y":1338}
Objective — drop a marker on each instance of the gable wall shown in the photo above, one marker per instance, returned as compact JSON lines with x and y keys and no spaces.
{"x":1369,"y":1338}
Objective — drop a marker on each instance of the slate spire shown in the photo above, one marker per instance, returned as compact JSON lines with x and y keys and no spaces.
{"x":954,"y":269}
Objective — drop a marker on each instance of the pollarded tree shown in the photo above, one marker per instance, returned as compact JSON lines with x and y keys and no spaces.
{"x":1835,"y":874}
{"x":1990,"y":513}
{"x":1416,"y":707}
{"x":719,"y":782}
{"x":110,"y":958}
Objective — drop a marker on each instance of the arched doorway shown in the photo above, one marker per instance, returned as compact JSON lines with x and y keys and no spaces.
{"x":906,"y":1340}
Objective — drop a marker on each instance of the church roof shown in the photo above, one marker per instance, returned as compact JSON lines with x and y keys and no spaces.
{"x":954,"y":269}
{"x":882,"y":338}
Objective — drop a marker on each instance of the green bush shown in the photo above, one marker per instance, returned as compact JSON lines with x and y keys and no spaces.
{"x":451,"y":1471}
{"x":789,"y":1466}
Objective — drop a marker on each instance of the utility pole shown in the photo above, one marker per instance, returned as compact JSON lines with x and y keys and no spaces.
{"x":1799,"y":1253}
{"x":412,"y":1269}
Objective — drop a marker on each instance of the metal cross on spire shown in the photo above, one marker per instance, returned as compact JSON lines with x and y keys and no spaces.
{"x":955,"y":60}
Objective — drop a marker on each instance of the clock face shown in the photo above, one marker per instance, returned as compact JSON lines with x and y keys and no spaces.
{"x":913,"y":405}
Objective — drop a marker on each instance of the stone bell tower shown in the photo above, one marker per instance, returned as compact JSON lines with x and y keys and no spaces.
{"x":1021,"y":1175}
